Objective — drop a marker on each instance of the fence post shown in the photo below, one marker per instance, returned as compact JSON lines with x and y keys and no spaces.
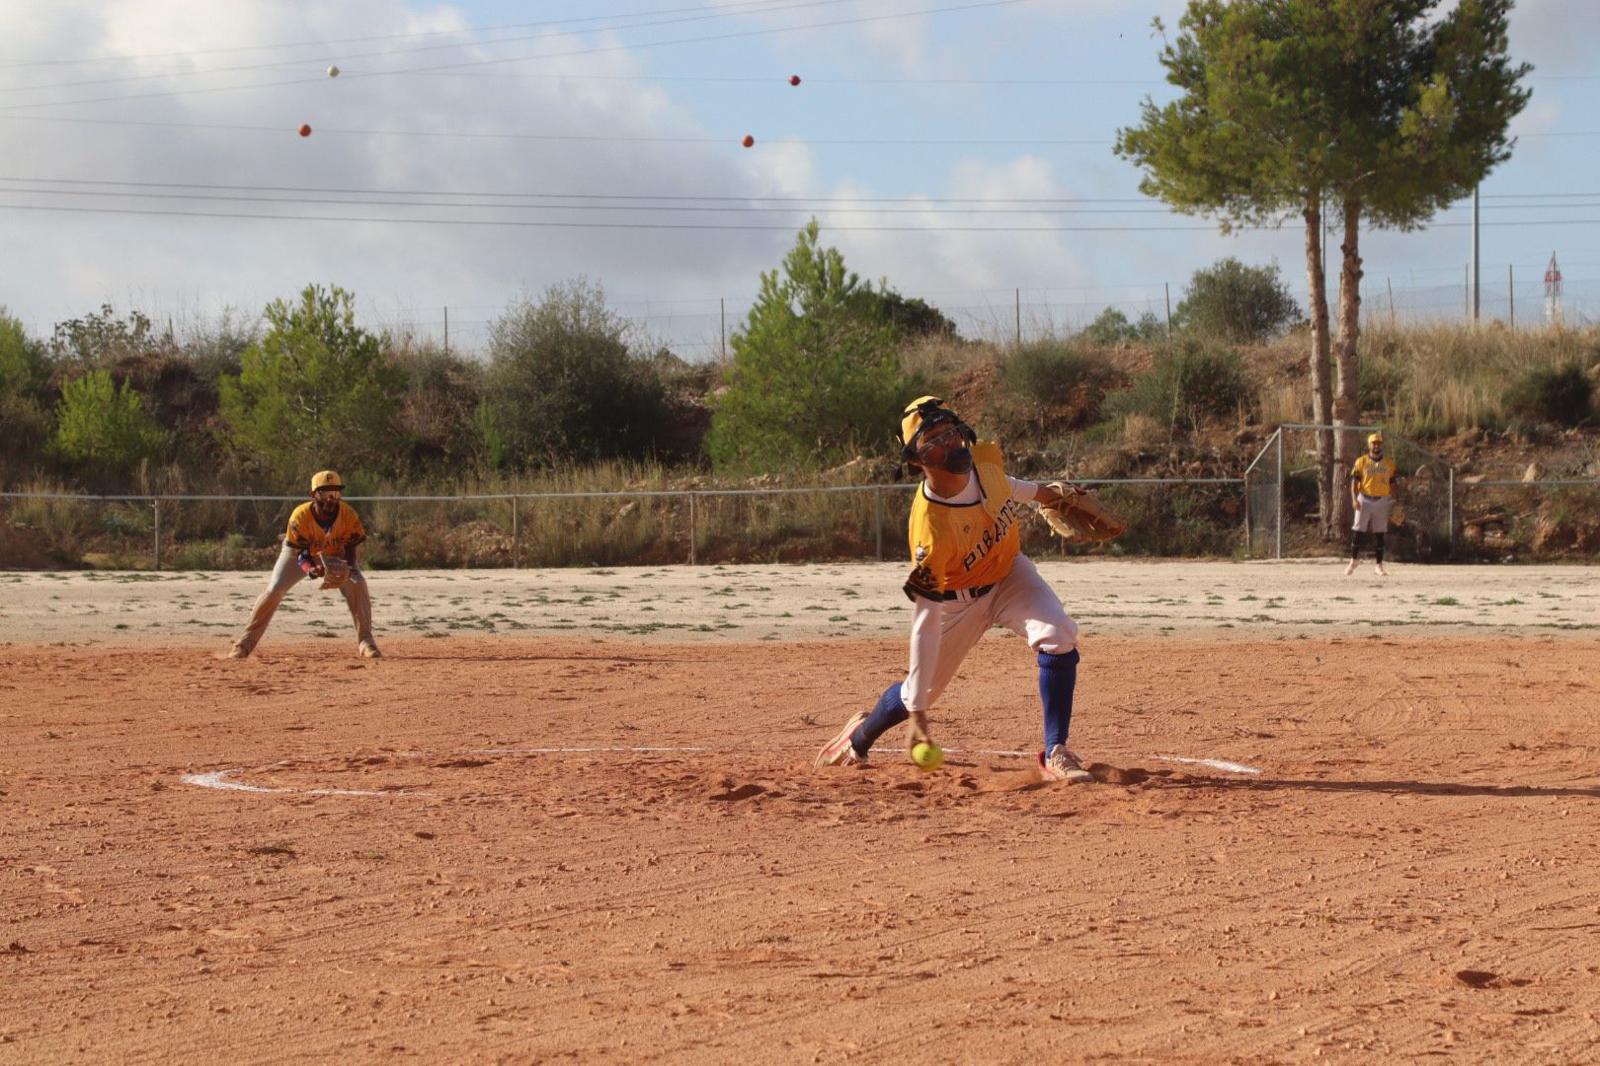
{"x":158,"y":533}
{"x":1450,"y":498}
{"x":1250,"y":548}
{"x":877,"y":519}
{"x":1278,"y":552}
{"x":691,"y":529}
{"x":516,"y":535}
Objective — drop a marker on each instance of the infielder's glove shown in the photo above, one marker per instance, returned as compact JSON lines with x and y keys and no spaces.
{"x":1081,"y":516}
{"x":335,"y":572}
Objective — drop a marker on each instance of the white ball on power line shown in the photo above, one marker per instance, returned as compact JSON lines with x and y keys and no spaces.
{"x":333,"y":72}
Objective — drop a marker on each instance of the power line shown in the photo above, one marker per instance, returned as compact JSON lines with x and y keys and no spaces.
{"x":702,"y":227}
{"x":701,"y":16}
{"x":547,"y":23}
{"x":514,"y":135}
{"x":702,"y":198}
{"x":696,"y":208}
{"x":588,"y":196}
{"x":472,"y":135}
{"x":595,"y":50}
{"x":725,"y":208}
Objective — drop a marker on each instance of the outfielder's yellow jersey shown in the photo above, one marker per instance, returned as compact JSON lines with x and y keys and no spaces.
{"x":306,"y":533}
{"x":1374,"y":475}
{"x":963,"y":546}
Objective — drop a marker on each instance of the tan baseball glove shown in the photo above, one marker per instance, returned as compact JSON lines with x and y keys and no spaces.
{"x":335,"y":571}
{"x":1081,"y":516}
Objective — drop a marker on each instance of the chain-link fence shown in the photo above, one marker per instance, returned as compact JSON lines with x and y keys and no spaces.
{"x":1166,"y":516}
{"x":1285,"y":517}
{"x":1503,"y":519}
{"x":1447,"y":516}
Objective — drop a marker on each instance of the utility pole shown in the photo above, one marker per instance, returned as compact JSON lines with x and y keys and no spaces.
{"x":1019,"y":318}
{"x":1166,"y":287}
{"x":1477,"y":271}
{"x":1389,"y":282}
{"x":447,"y":331}
{"x":722,"y":304}
{"x":1511,"y":291}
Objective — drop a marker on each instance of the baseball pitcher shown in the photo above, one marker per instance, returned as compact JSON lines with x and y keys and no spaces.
{"x":968,"y":574}
{"x":321,"y":543}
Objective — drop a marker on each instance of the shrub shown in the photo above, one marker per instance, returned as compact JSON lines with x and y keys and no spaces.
{"x":24,"y":420}
{"x":104,"y":427}
{"x":436,"y":419}
{"x":1189,"y":385}
{"x":910,"y":317}
{"x":814,"y":373}
{"x":1240,"y":304}
{"x":564,"y":383}
{"x":1048,"y":387}
{"x":315,"y":391}
{"x":103,"y":339}
{"x":1562,"y":394}
{"x":1111,"y":329}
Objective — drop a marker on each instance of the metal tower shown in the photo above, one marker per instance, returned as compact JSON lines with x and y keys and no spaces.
{"x":1552,"y":292}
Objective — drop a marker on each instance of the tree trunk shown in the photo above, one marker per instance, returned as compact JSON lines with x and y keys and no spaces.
{"x":1321,"y":397}
{"x":1347,"y":355}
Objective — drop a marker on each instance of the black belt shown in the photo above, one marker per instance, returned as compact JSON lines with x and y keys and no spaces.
{"x":972,"y":594}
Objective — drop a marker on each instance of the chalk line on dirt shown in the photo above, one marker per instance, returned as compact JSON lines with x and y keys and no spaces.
{"x":221,"y":779}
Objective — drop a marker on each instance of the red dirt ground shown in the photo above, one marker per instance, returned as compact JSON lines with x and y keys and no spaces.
{"x":1412,"y":873}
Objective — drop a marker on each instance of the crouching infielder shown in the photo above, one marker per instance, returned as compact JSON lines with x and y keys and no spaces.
{"x":321,"y":542}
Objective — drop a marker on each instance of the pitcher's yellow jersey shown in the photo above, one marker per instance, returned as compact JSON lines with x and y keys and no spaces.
{"x":963,"y":546}
{"x":1374,"y":475}
{"x":306,"y":533}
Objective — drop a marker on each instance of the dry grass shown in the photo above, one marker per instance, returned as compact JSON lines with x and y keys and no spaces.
{"x":1439,"y":379}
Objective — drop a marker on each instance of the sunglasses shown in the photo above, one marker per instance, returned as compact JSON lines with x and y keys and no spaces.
{"x":330,"y":492}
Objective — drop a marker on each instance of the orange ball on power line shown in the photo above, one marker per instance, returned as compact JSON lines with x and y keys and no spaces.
{"x":305,"y":129}
{"x":794,"y":79}
{"x":749,"y":141}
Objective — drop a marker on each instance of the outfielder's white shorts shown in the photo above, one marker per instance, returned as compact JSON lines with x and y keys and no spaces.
{"x":1373,"y":514}
{"x":1022,"y":602}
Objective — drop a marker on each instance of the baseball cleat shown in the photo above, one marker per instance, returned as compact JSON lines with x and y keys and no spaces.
{"x":1380,"y":570}
{"x":369,"y":650}
{"x":1351,"y":568}
{"x":236,"y":652}
{"x":1062,"y":765}
{"x":839,"y":751}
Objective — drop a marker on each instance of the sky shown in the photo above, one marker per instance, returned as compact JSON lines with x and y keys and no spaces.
{"x":470,"y":155}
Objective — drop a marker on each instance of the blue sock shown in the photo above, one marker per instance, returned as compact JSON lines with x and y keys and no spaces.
{"x":889,"y":712}
{"x":1058,"y":676}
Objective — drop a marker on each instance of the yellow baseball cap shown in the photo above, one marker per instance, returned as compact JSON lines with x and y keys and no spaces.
{"x":1375,"y":438}
{"x":326,"y":479}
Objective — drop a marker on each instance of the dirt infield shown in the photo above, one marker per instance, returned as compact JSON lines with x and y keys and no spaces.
{"x":459,"y":853}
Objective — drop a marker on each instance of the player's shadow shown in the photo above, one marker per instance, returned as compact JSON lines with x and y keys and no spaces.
{"x":534,"y":657}
{"x":1408,"y":788}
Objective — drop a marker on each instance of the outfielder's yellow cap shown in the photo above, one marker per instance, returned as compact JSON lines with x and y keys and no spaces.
{"x":1375,"y":438}
{"x":326,"y":479}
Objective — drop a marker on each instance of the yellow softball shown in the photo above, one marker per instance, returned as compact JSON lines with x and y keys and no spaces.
{"x":927,"y":755}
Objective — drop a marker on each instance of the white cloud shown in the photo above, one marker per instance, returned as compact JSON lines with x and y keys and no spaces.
{"x":181,"y":267}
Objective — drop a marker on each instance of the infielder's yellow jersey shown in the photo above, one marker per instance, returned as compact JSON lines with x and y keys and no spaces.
{"x":1374,"y":475}
{"x":306,"y":533}
{"x":963,"y":546}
